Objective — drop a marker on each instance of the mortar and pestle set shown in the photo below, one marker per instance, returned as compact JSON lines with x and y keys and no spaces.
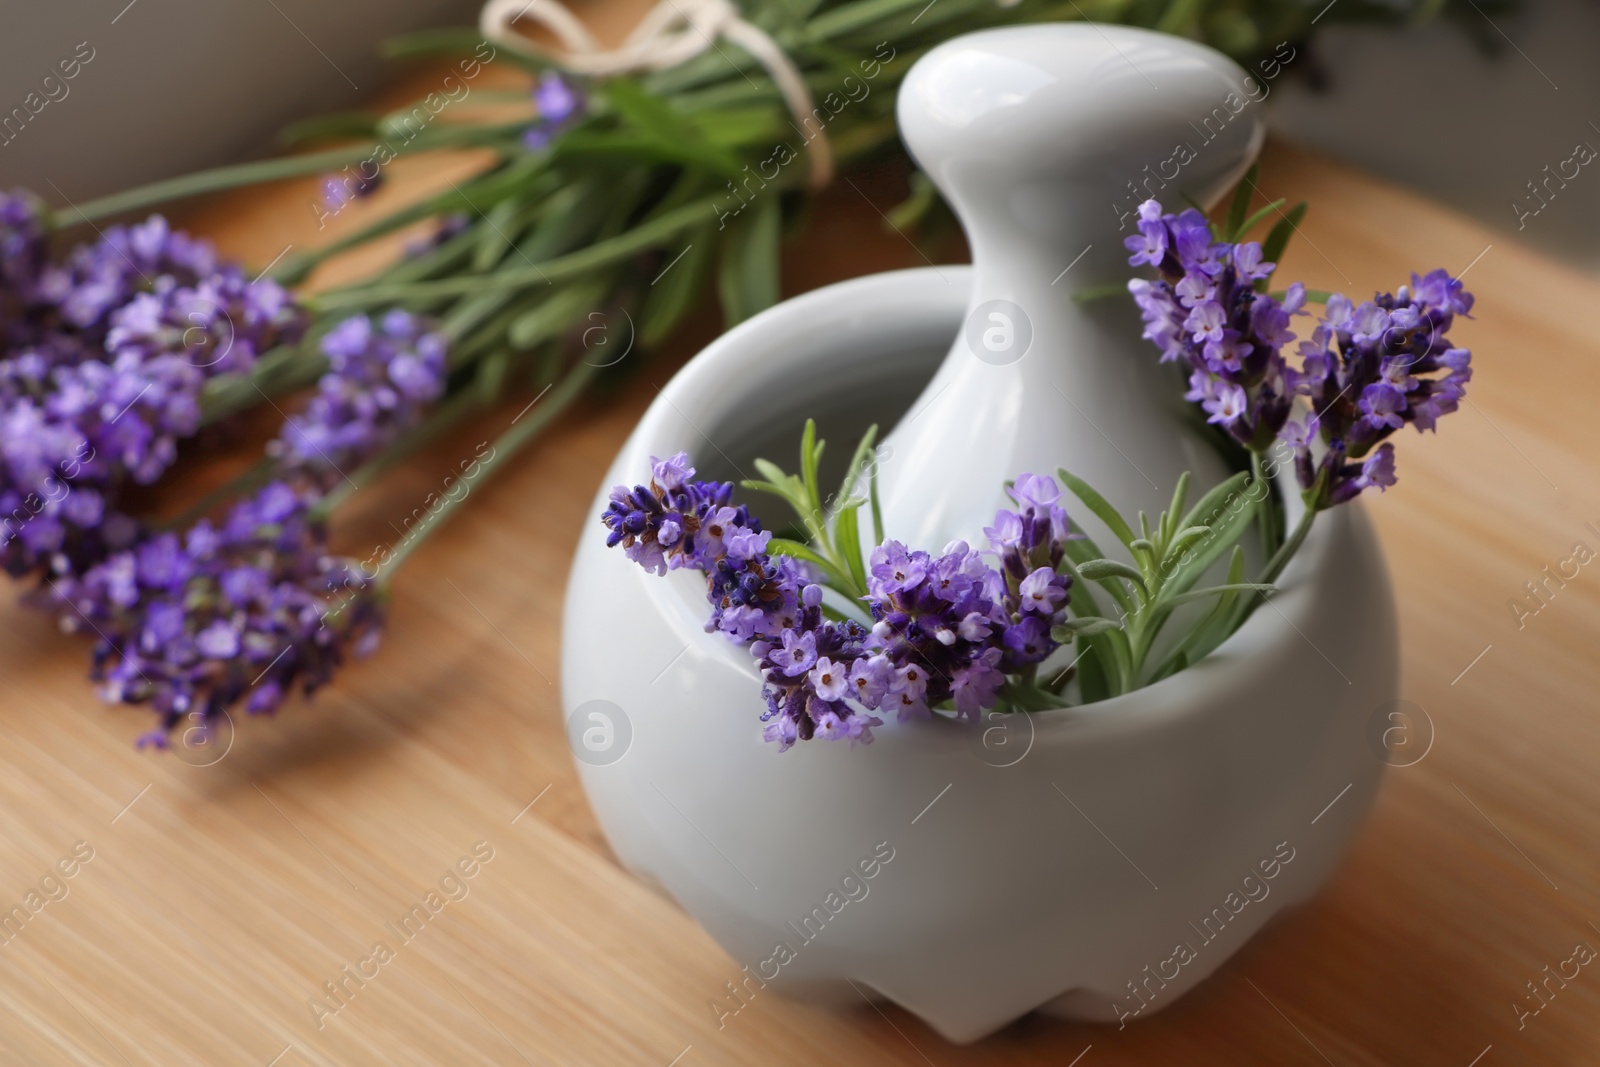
{"x":1090,"y":862}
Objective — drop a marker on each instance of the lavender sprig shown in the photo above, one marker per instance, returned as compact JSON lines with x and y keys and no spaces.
{"x":1362,"y":369}
{"x":107,"y":357}
{"x":243,"y":611}
{"x":1363,"y":372}
{"x":237,"y":612}
{"x":947,"y":631}
{"x":768,"y":603}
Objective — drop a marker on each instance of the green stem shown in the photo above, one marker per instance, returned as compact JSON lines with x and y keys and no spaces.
{"x":296,"y":268}
{"x":850,"y":18}
{"x":281,"y":370}
{"x":1286,"y":551}
{"x":505,"y":446}
{"x":207,"y":181}
{"x":440,"y":420}
{"x":1026,"y":696}
{"x":1248,"y":603}
{"x":599,"y":254}
{"x":1142,"y":631}
{"x":268,"y":170}
{"x":257,"y":475}
{"x":1269,"y":515}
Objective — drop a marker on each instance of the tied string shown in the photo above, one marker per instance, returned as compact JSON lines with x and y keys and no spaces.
{"x":671,"y":33}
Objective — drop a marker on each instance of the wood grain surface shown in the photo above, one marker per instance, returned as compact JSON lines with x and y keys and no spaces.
{"x":217,"y":901}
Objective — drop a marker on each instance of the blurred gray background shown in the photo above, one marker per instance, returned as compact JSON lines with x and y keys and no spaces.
{"x":179,"y":84}
{"x":175,"y":85}
{"x":1431,"y":109}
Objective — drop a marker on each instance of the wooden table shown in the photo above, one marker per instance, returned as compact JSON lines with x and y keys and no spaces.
{"x":220,"y":899}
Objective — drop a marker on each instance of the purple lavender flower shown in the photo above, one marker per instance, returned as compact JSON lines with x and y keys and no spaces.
{"x":672,"y":472}
{"x":810,"y":664}
{"x":795,"y":653}
{"x":1361,"y":369}
{"x":1027,"y":641}
{"x":1230,"y":405}
{"x":117,"y":344}
{"x":953,"y":627}
{"x":220,"y":324}
{"x":558,"y":102}
{"x":22,"y":257}
{"x":22,"y":233}
{"x":341,"y":189}
{"x":1364,"y":375}
{"x":379,"y":381}
{"x":242,"y":613}
{"x":895,"y":569}
{"x":1043,"y":591}
{"x":946,"y":630}
{"x":1205,"y":311}
{"x":449,"y":226}
{"x":100,"y":277}
{"x":976,"y":687}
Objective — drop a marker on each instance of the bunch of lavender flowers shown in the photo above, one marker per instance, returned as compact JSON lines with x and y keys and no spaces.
{"x":238,"y":612}
{"x":246,"y":611}
{"x":531,"y":219}
{"x":102,"y":376}
{"x":1361,"y":371}
{"x":947,"y":631}
{"x":243,"y":612}
{"x":380,"y":379}
{"x":105,"y":375}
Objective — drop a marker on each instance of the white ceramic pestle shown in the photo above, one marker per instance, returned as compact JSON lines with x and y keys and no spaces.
{"x":1044,"y":139}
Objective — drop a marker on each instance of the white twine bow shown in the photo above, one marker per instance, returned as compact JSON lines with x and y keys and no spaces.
{"x":672,"y":32}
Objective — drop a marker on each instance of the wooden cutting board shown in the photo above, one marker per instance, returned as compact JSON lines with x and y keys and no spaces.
{"x":216,"y":902}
